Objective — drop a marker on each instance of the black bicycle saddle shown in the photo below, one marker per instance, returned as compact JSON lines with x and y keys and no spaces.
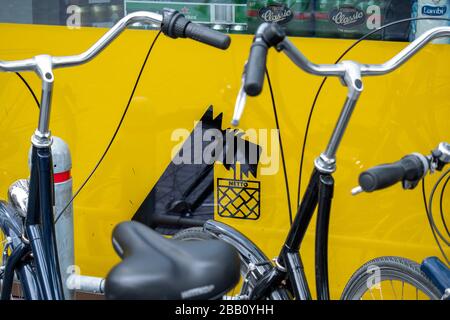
{"x":155,"y":267}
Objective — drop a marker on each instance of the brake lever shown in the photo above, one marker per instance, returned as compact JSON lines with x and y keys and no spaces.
{"x":357,"y":190}
{"x":240,"y":102}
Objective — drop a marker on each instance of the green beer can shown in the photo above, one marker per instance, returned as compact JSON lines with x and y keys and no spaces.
{"x":295,"y":16}
{"x":302,"y":24}
{"x":223,"y":15}
{"x":349,"y":19}
{"x":324,"y":27}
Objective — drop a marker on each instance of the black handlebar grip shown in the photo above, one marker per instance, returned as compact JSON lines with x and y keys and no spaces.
{"x":256,"y":68}
{"x":408,"y":168}
{"x":208,"y":36}
{"x":380,"y":177}
{"x":175,"y":25}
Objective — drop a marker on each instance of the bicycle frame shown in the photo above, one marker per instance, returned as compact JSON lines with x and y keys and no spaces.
{"x":319,"y":193}
{"x":37,"y":239}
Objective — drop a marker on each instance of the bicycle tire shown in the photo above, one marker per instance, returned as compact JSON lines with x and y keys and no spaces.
{"x":198,"y":234}
{"x":390,"y":268}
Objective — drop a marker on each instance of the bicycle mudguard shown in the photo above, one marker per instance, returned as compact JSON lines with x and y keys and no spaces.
{"x":248,"y":252}
{"x":438,"y":273}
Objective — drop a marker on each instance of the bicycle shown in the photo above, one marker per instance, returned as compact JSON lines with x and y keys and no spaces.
{"x":31,"y":253}
{"x":284,"y":276}
{"x":431,"y":277}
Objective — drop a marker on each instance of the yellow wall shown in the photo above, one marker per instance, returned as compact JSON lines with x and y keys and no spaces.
{"x":397,"y":114}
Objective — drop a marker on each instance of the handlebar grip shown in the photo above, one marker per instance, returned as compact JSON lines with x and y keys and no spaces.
{"x":175,"y":25}
{"x":380,"y":177}
{"x":408,"y":168}
{"x":208,"y":36}
{"x":256,"y":68}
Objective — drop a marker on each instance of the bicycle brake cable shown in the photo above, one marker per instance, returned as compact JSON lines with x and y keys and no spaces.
{"x":29,"y":89}
{"x":115,"y":132}
{"x":432,"y":229}
{"x":441,"y":209}
{"x":430,"y":206}
{"x":431,"y":223}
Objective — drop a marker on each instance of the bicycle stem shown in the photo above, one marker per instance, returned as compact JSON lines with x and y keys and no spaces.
{"x":351,"y":74}
{"x":43,"y":66}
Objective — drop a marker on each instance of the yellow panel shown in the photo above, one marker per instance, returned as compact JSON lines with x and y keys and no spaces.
{"x":404,"y":112}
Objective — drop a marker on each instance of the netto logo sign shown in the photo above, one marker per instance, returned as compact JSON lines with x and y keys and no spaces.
{"x":434,"y":11}
{"x":278,"y":13}
{"x":347,"y":17}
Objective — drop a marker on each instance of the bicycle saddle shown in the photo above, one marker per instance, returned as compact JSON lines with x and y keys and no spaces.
{"x":155,"y":267}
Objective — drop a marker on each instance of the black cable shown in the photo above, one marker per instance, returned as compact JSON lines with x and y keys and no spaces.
{"x":29,"y":89}
{"x":281,"y":147}
{"x":430,"y":207}
{"x":305,"y":137}
{"x":441,"y":205}
{"x":115,"y":132}
{"x":431,"y":226}
{"x":319,"y":90}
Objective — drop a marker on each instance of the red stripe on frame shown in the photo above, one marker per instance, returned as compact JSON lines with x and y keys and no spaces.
{"x":61,"y":177}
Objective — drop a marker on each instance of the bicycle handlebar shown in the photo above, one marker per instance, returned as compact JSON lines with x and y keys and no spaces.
{"x":407,"y":53}
{"x":171,"y":22}
{"x":409,"y":170}
{"x":175,"y":25}
{"x":266,"y":36}
{"x":254,"y":77}
{"x":272,"y":35}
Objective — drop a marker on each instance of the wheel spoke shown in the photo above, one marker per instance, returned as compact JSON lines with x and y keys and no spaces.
{"x":371,"y":293}
{"x":393,"y":290}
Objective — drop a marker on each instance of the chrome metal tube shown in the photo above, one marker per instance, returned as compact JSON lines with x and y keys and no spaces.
{"x":86,"y":283}
{"x":366,"y":69}
{"x":350,"y":74}
{"x":239,"y":105}
{"x":103,"y":42}
{"x":406,"y":54}
{"x":341,"y":125}
{"x":19,"y":65}
{"x":94,"y":50}
{"x":301,"y":61}
{"x":46,"y":103}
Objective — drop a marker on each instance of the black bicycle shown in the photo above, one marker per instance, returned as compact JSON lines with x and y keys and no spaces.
{"x":153,"y":267}
{"x":284,"y":276}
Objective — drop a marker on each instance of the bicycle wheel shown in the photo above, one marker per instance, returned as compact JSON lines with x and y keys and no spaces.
{"x":241,"y":290}
{"x":390,"y":278}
